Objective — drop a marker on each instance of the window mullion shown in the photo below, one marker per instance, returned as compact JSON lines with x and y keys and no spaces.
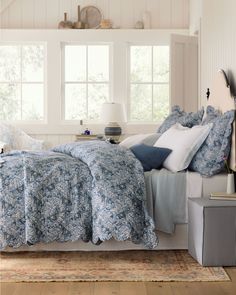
{"x":87,"y":82}
{"x":85,"y":76}
{"x":152,"y":84}
{"x":21,"y":83}
{"x":87,"y":97}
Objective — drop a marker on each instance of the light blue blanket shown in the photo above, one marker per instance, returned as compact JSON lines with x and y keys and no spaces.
{"x":166,"y":198}
{"x":92,"y":191}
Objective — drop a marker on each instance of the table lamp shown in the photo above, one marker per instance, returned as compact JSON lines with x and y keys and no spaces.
{"x":111,"y":114}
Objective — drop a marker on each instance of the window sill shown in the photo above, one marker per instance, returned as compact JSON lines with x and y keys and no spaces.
{"x":71,"y":129}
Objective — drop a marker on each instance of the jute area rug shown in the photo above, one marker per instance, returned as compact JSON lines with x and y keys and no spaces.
{"x":106,"y":266}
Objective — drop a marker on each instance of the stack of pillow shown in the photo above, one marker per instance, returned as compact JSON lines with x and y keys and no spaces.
{"x":209,"y":160}
{"x":186,"y":141}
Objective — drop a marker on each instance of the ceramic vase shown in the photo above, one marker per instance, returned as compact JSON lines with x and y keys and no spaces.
{"x":78,"y":24}
{"x":65,"y":24}
{"x":139,"y":25}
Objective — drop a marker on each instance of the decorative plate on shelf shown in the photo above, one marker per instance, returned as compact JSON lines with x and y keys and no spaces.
{"x":91,"y":16}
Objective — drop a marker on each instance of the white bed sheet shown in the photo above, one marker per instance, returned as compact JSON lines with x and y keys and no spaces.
{"x":196,"y":186}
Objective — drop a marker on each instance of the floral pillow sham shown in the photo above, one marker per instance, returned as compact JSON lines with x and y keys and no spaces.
{"x":209,"y":160}
{"x":180,"y":116}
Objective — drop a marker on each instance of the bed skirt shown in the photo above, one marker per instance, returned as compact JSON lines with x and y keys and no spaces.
{"x":179,"y":240}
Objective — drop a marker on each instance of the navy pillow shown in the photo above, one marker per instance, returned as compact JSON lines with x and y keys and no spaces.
{"x":150,"y":157}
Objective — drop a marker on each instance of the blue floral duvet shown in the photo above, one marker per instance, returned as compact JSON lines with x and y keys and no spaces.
{"x":93,"y":191}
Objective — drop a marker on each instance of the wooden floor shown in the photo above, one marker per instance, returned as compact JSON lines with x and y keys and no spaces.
{"x":215,"y":288}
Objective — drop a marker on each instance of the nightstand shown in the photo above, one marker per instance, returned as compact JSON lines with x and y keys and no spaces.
{"x":212,"y":231}
{"x":82,"y":137}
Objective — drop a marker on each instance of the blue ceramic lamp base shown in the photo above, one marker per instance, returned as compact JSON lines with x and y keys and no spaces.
{"x":113,"y":131}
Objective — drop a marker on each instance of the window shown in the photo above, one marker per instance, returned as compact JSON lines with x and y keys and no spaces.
{"x":149,"y":83}
{"x":86,"y":80}
{"x":22,"y":80}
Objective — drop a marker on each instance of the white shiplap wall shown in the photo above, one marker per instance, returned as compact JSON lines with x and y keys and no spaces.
{"x":45,"y":14}
{"x":195,"y":14}
{"x":54,"y":139}
{"x":218,"y":42}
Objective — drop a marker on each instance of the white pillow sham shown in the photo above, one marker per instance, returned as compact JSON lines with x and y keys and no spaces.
{"x":4,"y":146}
{"x":132,"y":140}
{"x":184,"y":143}
{"x":16,"y":139}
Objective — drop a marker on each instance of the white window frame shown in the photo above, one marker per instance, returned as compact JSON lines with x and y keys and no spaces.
{"x":21,"y":82}
{"x":119,"y":39}
{"x":87,"y":82}
{"x":152,"y":83}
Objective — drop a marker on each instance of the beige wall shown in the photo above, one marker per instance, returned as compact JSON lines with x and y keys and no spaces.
{"x":218,"y":42}
{"x":195,"y":13}
{"x":124,"y":13}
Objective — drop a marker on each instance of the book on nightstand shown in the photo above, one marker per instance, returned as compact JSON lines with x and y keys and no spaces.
{"x":223,"y":196}
{"x":79,"y":137}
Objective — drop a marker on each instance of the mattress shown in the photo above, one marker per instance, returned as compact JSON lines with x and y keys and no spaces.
{"x":200,"y":186}
{"x":196,"y":186}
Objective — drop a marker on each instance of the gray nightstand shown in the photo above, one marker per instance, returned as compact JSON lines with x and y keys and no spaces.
{"x":212,"y":231}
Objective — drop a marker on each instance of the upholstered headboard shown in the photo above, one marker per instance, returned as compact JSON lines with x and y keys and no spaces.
{"x":221,"y":98}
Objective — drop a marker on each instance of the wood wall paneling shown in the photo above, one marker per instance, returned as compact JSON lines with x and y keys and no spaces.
{"x":177,"y":10}
{"x":104,"y":6}
{"x":45,"y":14}
{"x":154,"y":7}
{"x":28,"y":13}
{"x":54,"y":140}
{"x":139,"y":8}
{"x":127,"y":14}
{"x":218,"y":43}
{"x":53,"y":14}
{"x":40,"y":13}
{"x":4,"y":4}
{"x":114,"y":12}
{"x":186,"y":13}
{"x":165,"y":14}
{"x":4,"y":16}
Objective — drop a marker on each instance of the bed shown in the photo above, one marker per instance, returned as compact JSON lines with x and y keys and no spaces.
{"x":196,"y":186}
{"x":178,"y":240}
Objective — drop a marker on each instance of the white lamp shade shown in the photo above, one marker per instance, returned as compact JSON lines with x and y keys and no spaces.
{"x":112,"y":112}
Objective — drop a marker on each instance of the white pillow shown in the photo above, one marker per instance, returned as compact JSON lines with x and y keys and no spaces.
{"x":17,"y":139}
{"x":4,"y":146}
{"x":184,"y":143}
{"x":135,"y":139}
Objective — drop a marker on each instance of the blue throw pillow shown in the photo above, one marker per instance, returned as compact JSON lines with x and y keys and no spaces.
{"x":149,"y":156}
{"x":209,"y":160}
{"x":179,"y":116}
